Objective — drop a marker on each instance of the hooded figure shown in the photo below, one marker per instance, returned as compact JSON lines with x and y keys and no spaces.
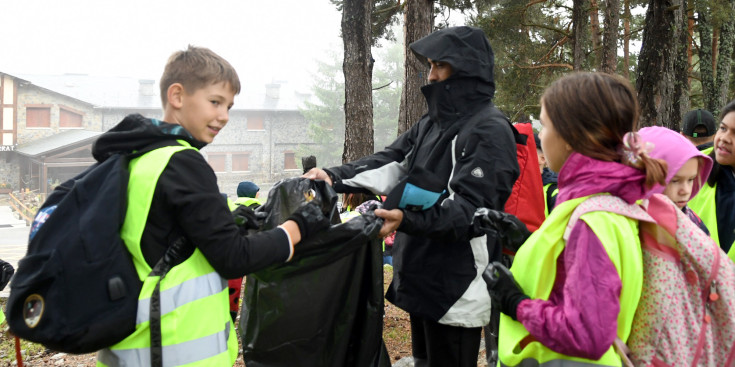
{"x":467,"y":146}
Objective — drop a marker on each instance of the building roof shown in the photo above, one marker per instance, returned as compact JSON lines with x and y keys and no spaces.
{"x":58,"y":141}
{"x":125,"y":92}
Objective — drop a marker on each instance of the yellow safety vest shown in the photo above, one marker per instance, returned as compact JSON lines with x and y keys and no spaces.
{"x":705,"y":205}
{"x":247,"y":201}
{"x":533,"y":269}
{"x":349,"y":215}
{"x":196,"y":328}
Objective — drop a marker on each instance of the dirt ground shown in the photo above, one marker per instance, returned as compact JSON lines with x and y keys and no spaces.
{"x":396,"y":334}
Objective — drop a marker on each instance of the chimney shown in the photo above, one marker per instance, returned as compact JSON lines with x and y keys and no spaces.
{"x":272,"y":90}
{"x":147,"y":87}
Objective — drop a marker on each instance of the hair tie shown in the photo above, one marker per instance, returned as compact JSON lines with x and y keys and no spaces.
{"x":634,"y":147}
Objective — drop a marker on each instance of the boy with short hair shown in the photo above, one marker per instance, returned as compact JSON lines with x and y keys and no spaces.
{"x":688,"y":168}
{"x":173,"y":194}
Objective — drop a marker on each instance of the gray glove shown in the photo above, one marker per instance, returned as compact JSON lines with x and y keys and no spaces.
{"x":507,"y":228}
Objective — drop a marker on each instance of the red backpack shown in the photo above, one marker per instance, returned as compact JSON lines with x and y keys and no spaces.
{"x":686,"y":313}
{"x":526,"y":201}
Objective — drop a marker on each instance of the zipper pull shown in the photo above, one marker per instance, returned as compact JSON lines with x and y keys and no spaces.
{"x":713,"y":296}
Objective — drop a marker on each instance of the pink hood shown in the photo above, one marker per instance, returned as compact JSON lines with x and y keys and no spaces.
{"x":676,"y":150}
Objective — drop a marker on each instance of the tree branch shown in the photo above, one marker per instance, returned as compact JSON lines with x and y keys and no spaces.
{"x":542,"y":26}
{"x":543,"y":66}
{"x":389,"y":8}
{"x":381,"y":87}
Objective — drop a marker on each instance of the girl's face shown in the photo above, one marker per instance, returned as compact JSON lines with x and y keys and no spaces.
{"x":725,"y":141}
{"x":679,"y":189}
{"x":554,"y":146}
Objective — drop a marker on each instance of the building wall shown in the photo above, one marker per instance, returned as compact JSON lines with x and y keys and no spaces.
{"x":281,"y":132}
{"x":31,"y":95}
{"x":112,"y":116}
{"x":8,"y":93}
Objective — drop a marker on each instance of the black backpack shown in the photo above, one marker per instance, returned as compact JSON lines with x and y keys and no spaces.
{"x":76,"y":290}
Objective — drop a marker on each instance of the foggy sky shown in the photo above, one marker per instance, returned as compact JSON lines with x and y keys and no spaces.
{"x":265,"y":40}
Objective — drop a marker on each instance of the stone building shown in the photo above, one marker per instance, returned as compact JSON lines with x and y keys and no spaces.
{"x":49,"y":123}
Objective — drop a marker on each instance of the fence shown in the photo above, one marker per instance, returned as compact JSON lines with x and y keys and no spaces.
{"x":24,"y":211}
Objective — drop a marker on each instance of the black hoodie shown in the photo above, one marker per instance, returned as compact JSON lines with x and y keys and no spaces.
{"x":187,"y":201}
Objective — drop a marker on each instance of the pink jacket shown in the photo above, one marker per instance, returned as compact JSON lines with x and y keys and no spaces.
{"x":580,"y":317}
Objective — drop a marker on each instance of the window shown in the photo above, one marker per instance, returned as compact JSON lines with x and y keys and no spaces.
{"x":240,"y":162}
{"x":255,"y":122}
{"x":289,"y":161}
{"x":38,"y":116}
{"x":69,"y":118}
{"x":217,"y":161}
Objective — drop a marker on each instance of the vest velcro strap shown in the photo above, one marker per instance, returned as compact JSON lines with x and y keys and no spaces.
{"x":173,"y":355}
{"x":181,"y":294}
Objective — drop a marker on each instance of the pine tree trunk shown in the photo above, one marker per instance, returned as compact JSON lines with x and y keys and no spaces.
{"x":626,"y":40}
{"x":690,"y":40}
{"x":609,"y":63}
{"x":724,"y":63}
{"x":715,"y":42}
{"x":579,"y":32}
{"x":662,"y":62}
{"x":706,"y":69}
{"x":358,"y":71}
{"x":681,"y":99}
{"x":595,"y":32}
{"x":418,"y":23}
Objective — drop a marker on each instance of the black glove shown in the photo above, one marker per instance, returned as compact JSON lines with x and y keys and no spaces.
{"x":246,"y":218}
{"x":310,"y":219}
{"x":504,"y":290}
{"x":6,"y":272}
{"x":507,"y":228}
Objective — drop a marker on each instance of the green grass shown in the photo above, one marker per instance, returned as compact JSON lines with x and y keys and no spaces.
{"x":7,"y":345}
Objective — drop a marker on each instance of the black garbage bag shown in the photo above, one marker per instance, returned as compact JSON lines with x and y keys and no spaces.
{"x":325,"y":306}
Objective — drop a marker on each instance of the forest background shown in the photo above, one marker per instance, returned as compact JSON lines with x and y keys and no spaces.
{"x":677,"y":53}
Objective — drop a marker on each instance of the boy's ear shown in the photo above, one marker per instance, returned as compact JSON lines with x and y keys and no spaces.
{"x":175,"y":94}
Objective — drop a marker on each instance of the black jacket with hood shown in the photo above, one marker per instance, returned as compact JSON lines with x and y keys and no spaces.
{"x":469,"y":145}
{"x":187,"y":202}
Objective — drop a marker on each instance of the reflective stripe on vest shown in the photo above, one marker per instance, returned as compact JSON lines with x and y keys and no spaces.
{"x":189,"y":291}
{"x":538,"y":257}
{"x":173,"y":355}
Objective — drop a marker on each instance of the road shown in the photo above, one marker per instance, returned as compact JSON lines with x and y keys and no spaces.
{"x":13,"y":239}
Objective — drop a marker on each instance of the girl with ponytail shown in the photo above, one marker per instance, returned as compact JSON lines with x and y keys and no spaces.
{"x":576,"y":289}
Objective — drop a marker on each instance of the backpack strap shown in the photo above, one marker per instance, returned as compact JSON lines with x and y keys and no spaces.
{"x":180,"y":250}
{"x":606,"y":203}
